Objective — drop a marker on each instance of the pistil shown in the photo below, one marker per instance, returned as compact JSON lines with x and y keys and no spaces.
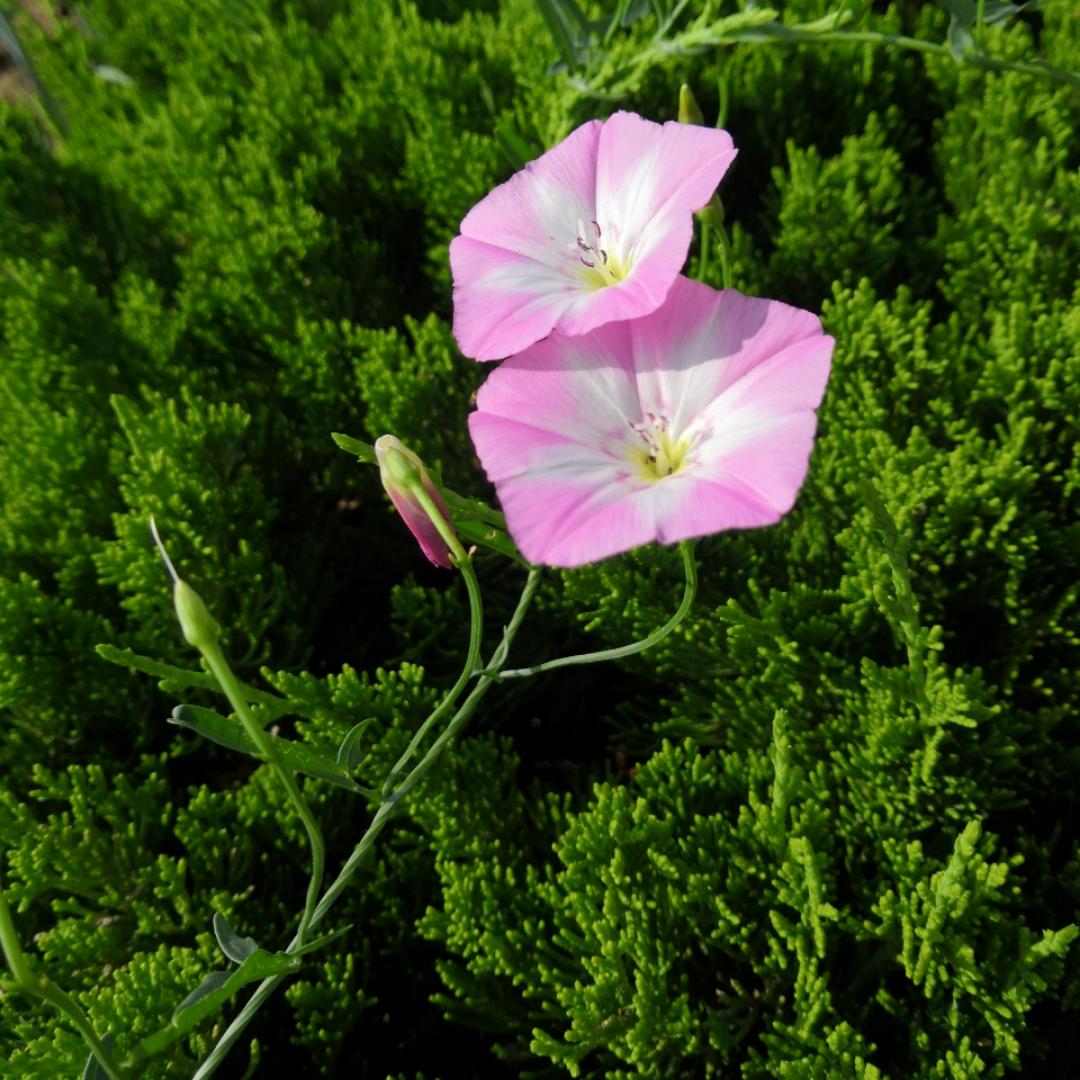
{"x":661,"y":454}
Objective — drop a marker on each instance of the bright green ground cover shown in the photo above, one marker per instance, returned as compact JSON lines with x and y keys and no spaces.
{"x":829,"y":829}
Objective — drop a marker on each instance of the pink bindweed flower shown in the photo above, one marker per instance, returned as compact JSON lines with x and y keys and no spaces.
{"x":691,"y":420}
{"x":407,"y":483}
{"x":594,"y":231}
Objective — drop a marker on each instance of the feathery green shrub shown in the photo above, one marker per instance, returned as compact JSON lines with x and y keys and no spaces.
{"x":826,"y":829}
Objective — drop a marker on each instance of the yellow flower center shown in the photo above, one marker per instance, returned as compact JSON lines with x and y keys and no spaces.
{"x":599,"y":266}
{"x":660,"y":454}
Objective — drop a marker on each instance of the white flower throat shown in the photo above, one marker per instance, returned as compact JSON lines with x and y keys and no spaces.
{"x":602,"y":267}
{"x":658,"y":454}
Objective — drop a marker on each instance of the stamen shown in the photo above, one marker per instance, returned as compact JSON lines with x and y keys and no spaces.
{"x":661,"y":456}
{"x":609,"y":265}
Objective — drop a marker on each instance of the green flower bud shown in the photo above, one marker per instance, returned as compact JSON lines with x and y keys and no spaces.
{"x":712,"y":213}
{"x":689,"y":111}
{"x":196,"y":622}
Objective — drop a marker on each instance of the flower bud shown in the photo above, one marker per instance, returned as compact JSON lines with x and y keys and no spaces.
{"x":712,"y":213}
{"x":689,"y":111}
{"x":196,"y":622}
{"x":416,"y":499}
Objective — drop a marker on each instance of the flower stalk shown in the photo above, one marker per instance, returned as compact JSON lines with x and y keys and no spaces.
{"x":201,"y":631}
{"x":686,"y":550}
{"x":379,"y":822}
{"x":40,"y":986}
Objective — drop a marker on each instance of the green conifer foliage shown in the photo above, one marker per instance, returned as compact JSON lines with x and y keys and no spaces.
{"x":826,"y":829}
{"x":189,"y":465}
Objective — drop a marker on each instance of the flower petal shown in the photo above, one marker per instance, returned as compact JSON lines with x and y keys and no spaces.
{"x":422,"y":528}
{"x":698,"y":507}
{"x":594,"y":231}
{"x":576,"y":520}
{"x":722,"y":389}
{"x":503,"y":301}
{"x":544,"y":202}
{"x":650,"y":178}
{"x":702,"y":343}
{"x":581,"y":388}
{"x":514,"y":265}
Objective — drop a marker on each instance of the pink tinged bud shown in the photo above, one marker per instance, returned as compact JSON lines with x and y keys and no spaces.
{"x":415,"y":497}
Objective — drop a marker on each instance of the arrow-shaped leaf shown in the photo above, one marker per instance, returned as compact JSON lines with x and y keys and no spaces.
{"x":174,"y":679}
{"x":229,"y":732}
{"x":211,"y":994}
{"x":350,"y":753}
{"x":236,"y":948}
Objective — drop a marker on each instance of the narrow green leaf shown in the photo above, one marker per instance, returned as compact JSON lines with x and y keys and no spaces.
{"x":559,"y":31}
{"x":174,"y":679}
{"x":94,"y":1070}
{"x":229,"y":732}
{"x":515,"y":149}
{"x":959,"y":40}
{"x":459,"y":506}
{"x":214,"y":981}
{"x":216,"y":989}
{"x":236,"y":948}
{"x":998,"y":13}
{"x":350,"y":754}
{"x":963,"y":12}
{"x":480,"y":532}
{"x":319,"y":942}
{"x":364,"y":451}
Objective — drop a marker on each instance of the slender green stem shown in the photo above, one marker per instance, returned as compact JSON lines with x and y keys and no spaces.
{"x":9,"y":942}
{"x":378,"y":823}
{"x":723,"y":85}
{"x":980,"y":20}
{"x":686,"y":549}
{"x":40,"y":986}
{"x":900,"y":41}
{"x":727,"y":276}
{"x":264,"y":743}
{"x":700,"y":37}
{"x":616,"y":21}
{"x":476,"y":628}
{"x":703,"y":252}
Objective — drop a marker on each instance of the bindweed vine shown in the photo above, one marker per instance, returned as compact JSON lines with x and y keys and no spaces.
{"x":596,"y":71}
{"x":633,"y":405}
{"x":382,"y":773}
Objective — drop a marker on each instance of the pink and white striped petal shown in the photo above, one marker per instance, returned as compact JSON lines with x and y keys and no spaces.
{"x":594,"y":231}
{"x":695,"y":419}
